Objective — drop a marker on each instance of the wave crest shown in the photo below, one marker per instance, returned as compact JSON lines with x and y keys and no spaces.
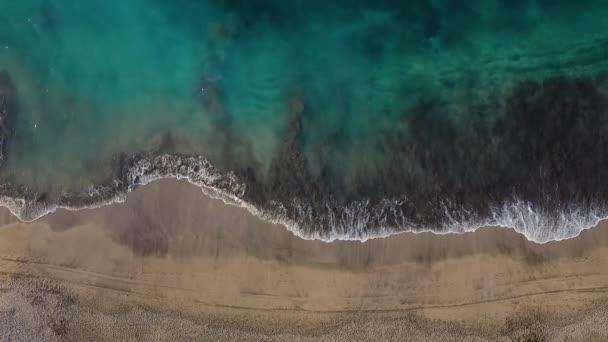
{"x":358,"y":220}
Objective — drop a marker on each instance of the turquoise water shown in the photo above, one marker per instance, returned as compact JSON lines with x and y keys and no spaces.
{"x":319,"y":101}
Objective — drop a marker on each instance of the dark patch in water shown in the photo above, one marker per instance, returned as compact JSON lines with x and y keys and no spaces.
{"x":212,"y":100}
{"x":546,"y":147}
{"x":8,"y":108}
{"x":166,"y":144}
{"x":49,"y":17}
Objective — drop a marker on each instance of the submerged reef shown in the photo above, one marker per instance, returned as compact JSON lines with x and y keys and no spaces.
{"x":538,"y":163}
{"x":8,"y":108}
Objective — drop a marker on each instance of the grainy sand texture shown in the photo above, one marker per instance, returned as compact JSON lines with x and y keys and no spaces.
{"x":173,"y":264}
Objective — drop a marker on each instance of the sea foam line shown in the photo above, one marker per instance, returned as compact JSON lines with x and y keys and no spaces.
{"x":357,"y":221}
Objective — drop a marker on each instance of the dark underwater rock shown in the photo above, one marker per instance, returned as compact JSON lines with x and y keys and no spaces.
{"x":8,"y":108}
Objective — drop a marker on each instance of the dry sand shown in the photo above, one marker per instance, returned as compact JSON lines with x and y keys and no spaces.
{"x":173,"y":264}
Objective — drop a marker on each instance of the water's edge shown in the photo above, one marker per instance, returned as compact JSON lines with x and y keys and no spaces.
{"x":142,"y":169}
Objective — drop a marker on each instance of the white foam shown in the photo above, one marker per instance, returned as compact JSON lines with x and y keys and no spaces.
{"x":357,"y":221}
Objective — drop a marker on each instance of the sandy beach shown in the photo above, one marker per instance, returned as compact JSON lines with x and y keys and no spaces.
{"x":173,"y":264}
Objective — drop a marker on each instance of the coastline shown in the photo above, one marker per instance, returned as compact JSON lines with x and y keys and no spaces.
{"x":356,"y":222}
{"x":170,"y":253}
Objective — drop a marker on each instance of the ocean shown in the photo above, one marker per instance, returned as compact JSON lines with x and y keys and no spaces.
{"x":340,"y":119}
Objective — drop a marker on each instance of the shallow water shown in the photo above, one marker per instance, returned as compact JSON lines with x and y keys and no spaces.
{"x":341,"y":119}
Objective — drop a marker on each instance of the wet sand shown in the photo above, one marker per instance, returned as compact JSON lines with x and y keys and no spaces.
{"x":171,"y":263}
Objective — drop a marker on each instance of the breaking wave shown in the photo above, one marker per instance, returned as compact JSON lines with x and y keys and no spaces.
{"x":359,"y":220}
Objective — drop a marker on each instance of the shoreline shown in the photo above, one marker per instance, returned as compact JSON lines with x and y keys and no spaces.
{"x":142,"y":170}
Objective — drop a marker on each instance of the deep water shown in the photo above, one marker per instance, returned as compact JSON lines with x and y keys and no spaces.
{"x":341,"y":119}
